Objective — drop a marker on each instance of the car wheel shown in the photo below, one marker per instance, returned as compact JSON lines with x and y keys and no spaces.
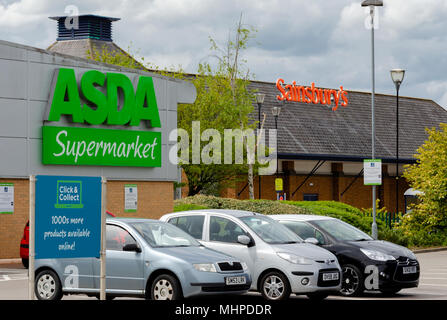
{"x":48,"y":286}
{"x":317,"y":296}
{"x":165,"y":287}
{"x":25,"y":263}
{"x":352,"y":283}
{"x":275,"y":286}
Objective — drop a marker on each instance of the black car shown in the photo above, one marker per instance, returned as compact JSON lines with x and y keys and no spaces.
{"x":361,"y":257}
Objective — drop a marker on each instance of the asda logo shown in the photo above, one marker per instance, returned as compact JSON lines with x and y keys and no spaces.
{"x":103,"y":107}
{"x":101,"y":99}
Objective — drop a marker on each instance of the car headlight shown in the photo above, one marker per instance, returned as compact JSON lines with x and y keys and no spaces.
{"x":205,"y":267}
{"x":410,"y":254}
{"x":244,"y":266}
{"x":377,"y":255}
{"x":293,"y":258}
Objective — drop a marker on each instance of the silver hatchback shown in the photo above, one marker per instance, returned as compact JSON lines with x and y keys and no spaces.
{"x":279,"y":261}
{"x":144,"y":258}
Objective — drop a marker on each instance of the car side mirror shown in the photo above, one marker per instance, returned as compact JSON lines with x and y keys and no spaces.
{"x":312,"y":241}
{"x":132,"y":247}
{"x":243,"y":239}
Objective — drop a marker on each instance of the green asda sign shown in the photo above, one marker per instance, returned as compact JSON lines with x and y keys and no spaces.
{"x":101,"y":99}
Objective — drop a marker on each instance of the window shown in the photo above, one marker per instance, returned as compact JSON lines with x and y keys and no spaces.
{"x":192,"y":225}
{"x":304,"y":230}
{"x":341,"y":231}
{"x":117,"y":238}
{"x":310,"y":197}
{"x":270,"y":230}
{"x":224,"y":230}
{"x":161,"y":234}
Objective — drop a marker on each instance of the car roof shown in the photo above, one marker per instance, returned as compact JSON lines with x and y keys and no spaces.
{"x":131,"y":220}
{"x":233,"y":213}
{"x":300,"y":217}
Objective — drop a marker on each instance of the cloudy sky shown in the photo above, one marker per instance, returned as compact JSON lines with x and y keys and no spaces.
{"x":319,"y":41}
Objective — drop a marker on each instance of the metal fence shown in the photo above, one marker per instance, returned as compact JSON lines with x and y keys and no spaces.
{"x":390,"y":218}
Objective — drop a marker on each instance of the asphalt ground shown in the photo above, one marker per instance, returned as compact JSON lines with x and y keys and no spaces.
{"x":432,"y":284}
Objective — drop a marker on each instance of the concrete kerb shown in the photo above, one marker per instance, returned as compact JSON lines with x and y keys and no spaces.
{"x":430,"y":250}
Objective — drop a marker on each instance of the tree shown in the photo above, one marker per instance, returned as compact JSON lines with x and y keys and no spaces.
{"x":223,"y":102}
{"x":429,"y":175}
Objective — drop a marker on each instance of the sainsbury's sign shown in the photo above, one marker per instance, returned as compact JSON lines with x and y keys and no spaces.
{"x":312,"y":94}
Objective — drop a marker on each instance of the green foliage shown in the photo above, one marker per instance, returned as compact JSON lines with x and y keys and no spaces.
{"x":261,"y":206}
{"x":342,"y":211}
{"x":223,"y":101}
{"x":428,"y":220}
{"x":187,"y":206}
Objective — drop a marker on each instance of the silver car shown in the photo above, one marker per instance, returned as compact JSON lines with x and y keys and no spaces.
{"x":144,"y":258}
{"x":279,"y":261}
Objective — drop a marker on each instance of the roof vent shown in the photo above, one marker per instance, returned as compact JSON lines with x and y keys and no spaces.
{"x":89,"y":27}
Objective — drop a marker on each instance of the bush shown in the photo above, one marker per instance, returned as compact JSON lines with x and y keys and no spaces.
{"x":261,"y":206}
{"x":187,"y":206}
{"x":342,"y":211}
{"x":334,"y":209}
{"x":395,"y":236}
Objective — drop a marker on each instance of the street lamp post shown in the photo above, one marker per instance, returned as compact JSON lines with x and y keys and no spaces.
{"x":372,"y":4}
{"x":259,"y":100}
{"x":397,"y":75}
{"x":276,"y":111}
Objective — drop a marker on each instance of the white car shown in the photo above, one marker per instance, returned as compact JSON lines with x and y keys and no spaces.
{"x":279,"y":261}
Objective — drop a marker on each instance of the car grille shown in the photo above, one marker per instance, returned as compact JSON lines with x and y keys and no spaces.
{"x":330,"y":283}
{"x":406,"y":262}
{"x":226,"y":266}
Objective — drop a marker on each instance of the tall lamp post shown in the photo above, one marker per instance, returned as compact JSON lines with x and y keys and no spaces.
{"x":259,"y":100}
{"x":372,"y":4}
{"x":276,"y":111}
{"x":397,"y":75}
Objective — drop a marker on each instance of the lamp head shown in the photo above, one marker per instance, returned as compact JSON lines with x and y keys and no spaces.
{"x":276,"y":111}
{"x":375,"y":3}
{"x":259,"y":97}
{"x":397,"y":75}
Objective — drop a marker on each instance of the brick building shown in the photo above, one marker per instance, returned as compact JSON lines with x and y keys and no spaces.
{"x":321,"y":151}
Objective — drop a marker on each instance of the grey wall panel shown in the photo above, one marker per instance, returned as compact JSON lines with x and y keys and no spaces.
{"x":13,"y":77}
{"x":35,"y":111}
{"x":8,"y":51}
{"x":25,"y":81}
{"x":13,"y":118}
{"x":13,"y":157}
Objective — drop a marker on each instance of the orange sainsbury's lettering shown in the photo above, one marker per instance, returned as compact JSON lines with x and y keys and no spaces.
{"x":312,"y":94}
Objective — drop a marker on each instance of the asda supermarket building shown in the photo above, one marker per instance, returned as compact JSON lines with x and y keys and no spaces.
{"x":44,"y":131}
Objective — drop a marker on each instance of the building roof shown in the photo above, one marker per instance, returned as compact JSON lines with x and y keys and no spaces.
{"x":314,"y":131}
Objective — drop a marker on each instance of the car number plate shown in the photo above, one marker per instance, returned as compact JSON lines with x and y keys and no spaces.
{"x":330,"y":276}
{"x":408,"y":270}
{"x":235,"y":280}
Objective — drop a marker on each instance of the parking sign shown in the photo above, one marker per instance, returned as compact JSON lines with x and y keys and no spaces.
{"x":68,"y":217}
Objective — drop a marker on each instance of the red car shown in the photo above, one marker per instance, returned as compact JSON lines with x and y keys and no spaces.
{"x":24,"y":243}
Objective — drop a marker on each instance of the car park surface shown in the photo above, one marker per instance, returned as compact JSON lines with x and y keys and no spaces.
{"x":145,"y":258}
{"x":279,"y":261}
{"x":432,"y":285}
{"x":397,"y":266}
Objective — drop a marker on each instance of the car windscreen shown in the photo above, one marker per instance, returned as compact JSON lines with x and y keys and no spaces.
{"x":341,"y":231}
{"x":162,"y":234}
{"x":270,"y":230}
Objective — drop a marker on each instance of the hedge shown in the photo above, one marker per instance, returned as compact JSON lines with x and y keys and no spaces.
{"x":334,"y":209}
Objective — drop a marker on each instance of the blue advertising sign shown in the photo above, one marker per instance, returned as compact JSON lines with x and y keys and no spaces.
{"x":68,"y":217}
